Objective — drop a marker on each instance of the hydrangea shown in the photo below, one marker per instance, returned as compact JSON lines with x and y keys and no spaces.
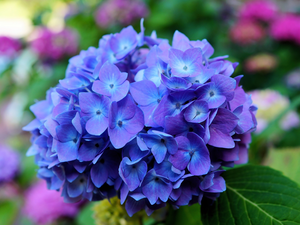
{"x":9,"y":164}
{"x":150,"y":122}
{"x":271,"y":104}
{"x":262,"y":10}
{"x":286,"y":28}
{"x":247,"y":32}
{"x":120,"y":11}
{"x":45,"y":207}
{"x":51,"y":45}
{"x":9,"y":46}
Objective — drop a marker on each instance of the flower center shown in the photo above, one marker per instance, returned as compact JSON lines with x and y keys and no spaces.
{"x":158,"y":100}
{"x":211,"y":93}
{"x":75,"y":140}
{"x":191,"y":129}
{"x":111,"y":86}
{"x":97,"y":145}
{"x":120,"y":123}
{"x":162,"y":141}
{"x":178,"y":105}
{"x":98,"y":112}
{"x":185,"y":68}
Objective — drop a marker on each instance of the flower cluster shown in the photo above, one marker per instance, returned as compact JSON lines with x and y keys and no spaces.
{"x":147,"y":121}
{"x":258,"y":17}
{"x":247,"y":32}
{"x":9,"y":46}
{"x":44,"y":207}
{"x":51,"y":45}
{"x":262,"y":62}
{"x":120,"y":11}
{"x":262,"y":10}
{"x":286,"y":28}
{"x":9,"y":164}
{"x":271,"y":104}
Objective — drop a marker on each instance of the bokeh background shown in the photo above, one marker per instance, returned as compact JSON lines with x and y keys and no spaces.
{"x":38,"y":37}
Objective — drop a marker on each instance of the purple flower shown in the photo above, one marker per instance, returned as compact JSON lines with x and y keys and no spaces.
{"x":185,"y":64}
{"x":125,"y":121}
{"x":146,"y":121}
{"x":95,"y":109}
{"x":120,"y":11}
{"x":160,"y":143}
{"x":111,"y":83}
{"x":9,"y":164}
{"x":9,"y":46}
{"x":38,"y":195}
{"x":53,"y":46}
{"x":153,"y":185}
{"x":192,"y":154}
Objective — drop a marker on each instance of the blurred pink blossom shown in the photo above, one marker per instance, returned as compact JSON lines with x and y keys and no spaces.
{"x":286,"y":28}
{"x":247,"y":32}
{"x":262,"y":62}
{"x":120,"y":11}
{"x":54,"y":46}
{"x":9,"y":46}
{"x":262,"y":10}
{"x":44,"y":206}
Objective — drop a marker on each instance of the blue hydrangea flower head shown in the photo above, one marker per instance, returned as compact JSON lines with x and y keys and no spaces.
{"x":149,"y":122}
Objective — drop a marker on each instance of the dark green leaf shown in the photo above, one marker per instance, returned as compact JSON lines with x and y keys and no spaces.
{"x":255,"y":195}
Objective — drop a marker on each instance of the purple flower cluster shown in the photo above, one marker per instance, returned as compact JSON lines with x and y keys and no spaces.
{"x":144,"y":120}
{"x":9,"y":164}
{"x":45,"y":207}
{"x":123,"y":12}
{"x":51,"y":45}
{"x":9,"y":46}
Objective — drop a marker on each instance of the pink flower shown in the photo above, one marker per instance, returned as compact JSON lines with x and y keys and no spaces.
{"x":9,"y":46}
{"x":44,"y":206}
{"x":54,"y":46}
{"x":286,"y":28}
{"x":246,"y":32}
{"x":120,"y":11}
{"x":262,"y":10}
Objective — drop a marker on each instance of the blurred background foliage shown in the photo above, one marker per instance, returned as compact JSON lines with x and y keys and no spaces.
{"x":269,"y":62}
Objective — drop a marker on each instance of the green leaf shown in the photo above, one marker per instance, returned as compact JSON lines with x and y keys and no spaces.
{"x":255,"y":195}
{"x":286,"y":161}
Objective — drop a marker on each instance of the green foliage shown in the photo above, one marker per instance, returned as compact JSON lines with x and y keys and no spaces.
{"x":255,"y":195}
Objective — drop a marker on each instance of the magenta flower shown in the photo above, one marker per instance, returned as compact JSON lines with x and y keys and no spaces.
{"x":120,"y":11}
{"x":286,"y":28}
{"x":44,"y":206}
{"x":54,"y":46}
{"x":9,"y":46}
{"x":262,"y":10}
